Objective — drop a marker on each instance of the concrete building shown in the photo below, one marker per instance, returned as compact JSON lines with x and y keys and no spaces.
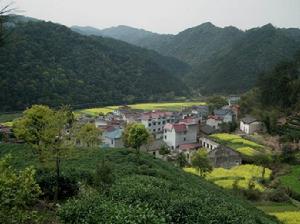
{"x":156,"y":120}
{"x":208,"y":143}
{"x":214,"y":121}
{"x":224,"y":157}
{"x":249,"y":125}
{"x":179,"y":134}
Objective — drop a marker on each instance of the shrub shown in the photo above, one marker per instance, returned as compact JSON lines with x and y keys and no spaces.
{"x":68,"y":185}
{"x":277,"y":195}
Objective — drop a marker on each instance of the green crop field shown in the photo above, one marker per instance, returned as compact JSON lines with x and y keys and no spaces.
{"x":244,"y":146}
{"x":142,"y":106}
{"x":292,"y":179}
{"x":240,"y":174}
{"x":285,"y":212}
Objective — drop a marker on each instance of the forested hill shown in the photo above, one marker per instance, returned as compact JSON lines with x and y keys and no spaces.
{"x":47,"y":63}
{"x":224,"y":60}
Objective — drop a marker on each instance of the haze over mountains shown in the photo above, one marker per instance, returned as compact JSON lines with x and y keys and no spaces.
{"x":223,"y":60}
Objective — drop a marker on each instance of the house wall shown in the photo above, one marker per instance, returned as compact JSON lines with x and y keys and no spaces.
{"x":113,"y":143}
{"x":208,"y":143}
{"x":250,"y":128}
{"x":213,"y":123}
{"x":156,"y":125}
{"x":174,"y":140}
{"x":227,"y":118}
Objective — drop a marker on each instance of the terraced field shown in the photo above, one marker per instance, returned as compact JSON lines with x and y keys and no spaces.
{"x":239,"y":175}
{"x":244,"y":146}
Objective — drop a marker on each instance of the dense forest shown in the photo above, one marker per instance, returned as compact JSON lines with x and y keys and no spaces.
{"x":47,"y":63}
{"x":277,"y":95}
{"x":223,"y":60}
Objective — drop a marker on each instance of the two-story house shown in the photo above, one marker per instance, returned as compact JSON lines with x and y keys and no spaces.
{"x":179,"y":134}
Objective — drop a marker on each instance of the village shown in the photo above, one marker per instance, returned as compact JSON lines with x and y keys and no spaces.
{"x":175,"y":133}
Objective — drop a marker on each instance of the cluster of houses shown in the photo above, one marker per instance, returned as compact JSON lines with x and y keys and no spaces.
{"x":180,"y":132}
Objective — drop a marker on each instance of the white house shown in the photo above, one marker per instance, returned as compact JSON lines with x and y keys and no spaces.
{"x":179,"y":134}
{"x":155,"y":121}
{"x":249,"y":125}
{"x":208,"y":143}
{"x":113,"y":138}
{"x":214,"y":121}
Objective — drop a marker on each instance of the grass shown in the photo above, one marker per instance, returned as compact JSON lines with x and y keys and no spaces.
{"x":285,"y":212}
{"x":292,"y":179}
{"x":241,"y":175}
{"x":244,"y":146}
{"x":142,"y":106}
{"x":6,"y":119}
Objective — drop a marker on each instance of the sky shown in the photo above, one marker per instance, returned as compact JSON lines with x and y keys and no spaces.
{"x":163,"y":16}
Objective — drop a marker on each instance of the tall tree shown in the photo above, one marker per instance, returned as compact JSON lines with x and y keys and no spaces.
{"x":88,"y":135}
{"x":4,"y":10}
{"x":47,"y":131}
{"x":135,"y":135}
{"x":201,"y":162}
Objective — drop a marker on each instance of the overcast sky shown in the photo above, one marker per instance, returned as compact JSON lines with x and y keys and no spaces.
{"x":164,"y":16}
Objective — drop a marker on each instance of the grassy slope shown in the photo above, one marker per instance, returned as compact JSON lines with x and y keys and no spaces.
{"x":207,"y":201}
{"x":286,"y":212}
{"x":292,"y":179}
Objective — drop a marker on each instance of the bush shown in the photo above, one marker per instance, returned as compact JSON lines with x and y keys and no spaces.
{"x":68,"y":185}
{"x":94,"y":208}
{"x":18,"y":192}
{"x":277,"y":195}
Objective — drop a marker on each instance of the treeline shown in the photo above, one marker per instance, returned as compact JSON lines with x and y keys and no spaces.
{"x":46,"y":63}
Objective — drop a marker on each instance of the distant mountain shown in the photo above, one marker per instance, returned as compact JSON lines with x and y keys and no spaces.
{"x":223,"y":60}
{"x":48,"y":63}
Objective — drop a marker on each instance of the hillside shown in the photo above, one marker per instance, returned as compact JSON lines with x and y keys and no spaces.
{"x":150,"y":191}
{"x":48,"y":63}
{"x":224,"y":60}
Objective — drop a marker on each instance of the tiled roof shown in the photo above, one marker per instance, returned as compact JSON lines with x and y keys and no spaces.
{"x":156,"y":114}
{"x":189,"y":146}
{"x":222,"y":112}
{"x":181,"y":127}
{"x":115,"y":134}
{"x":215,"y":117}
{"x":249,"y":120}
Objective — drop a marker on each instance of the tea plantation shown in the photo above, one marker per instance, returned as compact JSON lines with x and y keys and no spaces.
{"x":144,"y":190}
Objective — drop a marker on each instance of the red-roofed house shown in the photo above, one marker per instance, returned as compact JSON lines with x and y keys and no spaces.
{"x":214,"y":121}
{"x":179,"y":134}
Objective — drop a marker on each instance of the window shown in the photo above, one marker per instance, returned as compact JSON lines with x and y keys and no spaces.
{"x":184,"y":139}
{"x":168,"y":120}
{"x":164,"y":122}
{"x":112,"y":141}
{"x":165,"y":131}
{"x":149,"y":125}
{"x":159,"y":129}
{"x":154,"y":130}
{"x":154,"y":123}
{"x":165,"y":137}
{"x":158,"y":123}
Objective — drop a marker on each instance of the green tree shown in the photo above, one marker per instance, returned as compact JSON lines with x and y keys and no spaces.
{"x":215,"y":102}
{"x":135,"y":135}
{"x":104,"y":177}
{"x":201,"y":162}
{"x":88,"y":135}
{"x":18,"y":192}
{"x":264,"y":161}
{"x":181,"y":160}
{"x":48,"y":132}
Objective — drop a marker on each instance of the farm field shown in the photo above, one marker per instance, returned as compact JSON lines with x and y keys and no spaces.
{"x":244,"y":146}
{"x":285,"y":212}
{"x":142,"y":106}
{"x":292,"y":180}
{"x":241,"y":175}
